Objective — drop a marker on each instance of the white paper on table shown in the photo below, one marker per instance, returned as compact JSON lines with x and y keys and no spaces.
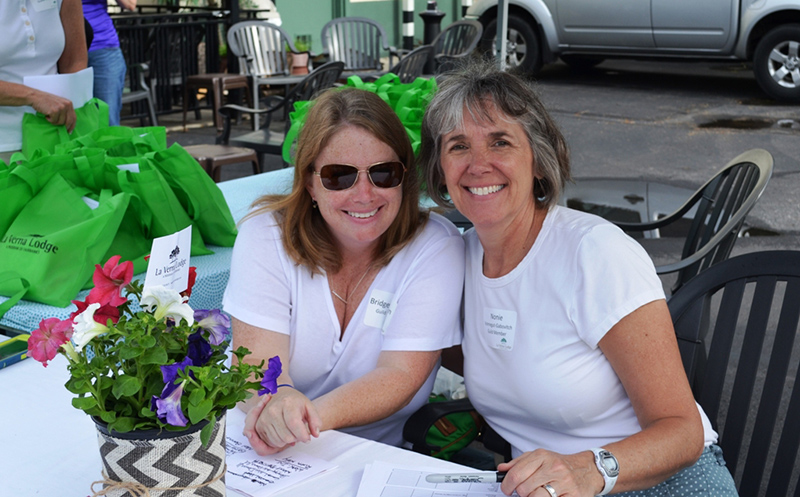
{"x":77,"y":86}
{"x":259,"y":476}
{"x":388,"y":480}
{"x":169,"y":261}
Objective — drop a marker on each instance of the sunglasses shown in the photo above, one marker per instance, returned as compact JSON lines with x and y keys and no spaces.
{"x":337,"y":177}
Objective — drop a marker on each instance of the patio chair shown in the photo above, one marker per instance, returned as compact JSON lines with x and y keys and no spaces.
{"x":722,"y":204}
{"x":456,"y":41}
{"x":737,"y":327}
{"x":229,"y":150}
{"x":261,"y":48}
{"x":138,"y":90}
{"x":359,"y":43}
{"x":412,"y":65}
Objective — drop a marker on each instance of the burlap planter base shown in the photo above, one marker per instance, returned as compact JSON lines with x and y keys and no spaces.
{"x":170,"y":464}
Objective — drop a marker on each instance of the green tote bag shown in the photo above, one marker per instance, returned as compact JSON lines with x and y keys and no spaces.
{"x":38,"y":133}
{"x":56,"y":240}
{"x":161,"y":212}
{"x":198,"y":194}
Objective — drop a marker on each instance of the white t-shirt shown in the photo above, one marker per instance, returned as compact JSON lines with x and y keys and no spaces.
{"x":33,"y":40}
{"x":532,"y":366}
{"x":413,"y":304}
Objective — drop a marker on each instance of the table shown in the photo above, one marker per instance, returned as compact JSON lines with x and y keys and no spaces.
{"x":212,"y":270}
{"x":49,"y":448}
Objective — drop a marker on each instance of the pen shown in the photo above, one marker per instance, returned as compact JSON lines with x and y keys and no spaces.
{"x":479,"y":477}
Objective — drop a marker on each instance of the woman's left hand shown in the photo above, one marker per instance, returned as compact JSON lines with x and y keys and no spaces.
{"x":281,"y":421}
{"x":574,"y":475}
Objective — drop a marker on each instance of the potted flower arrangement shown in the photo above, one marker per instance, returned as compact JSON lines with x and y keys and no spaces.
{"x":152,"y":375}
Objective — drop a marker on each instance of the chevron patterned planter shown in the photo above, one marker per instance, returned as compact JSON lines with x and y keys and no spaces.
{"x":166,"y":464}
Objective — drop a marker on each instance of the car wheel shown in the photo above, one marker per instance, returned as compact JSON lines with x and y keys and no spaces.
{"x":581,"y":62}
{"x":522,"y":46}
{"x":776,"y":63}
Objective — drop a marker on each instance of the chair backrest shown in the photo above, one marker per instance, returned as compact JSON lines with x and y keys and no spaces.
{"x":412,"y":65}
{"x":356,"y":41}
{"x":459,"y":38}
{"x":737,"y":324}
{"x":321,"y":78}
{"x":261,"y":48}
{"x":722,"y":205}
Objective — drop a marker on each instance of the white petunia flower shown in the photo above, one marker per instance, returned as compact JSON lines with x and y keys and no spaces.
{"x":86,"y":327}
{"x":167,"y":304}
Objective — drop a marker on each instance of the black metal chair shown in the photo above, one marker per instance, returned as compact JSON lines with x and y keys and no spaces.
{"x":737,"y":328}
{"x":412,"y":65}
{"x":455,"y":42}
{"x":722,"y":204}
{"x":360,"y":43}
{"x":263,"y":141}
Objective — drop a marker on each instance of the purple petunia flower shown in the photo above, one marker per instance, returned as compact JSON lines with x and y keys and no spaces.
{"x":168,"y":406}
{"x":170,"y":371}
{"x":199,"y":350}
{"x":271,"y":374}
{"x":215,"y":322}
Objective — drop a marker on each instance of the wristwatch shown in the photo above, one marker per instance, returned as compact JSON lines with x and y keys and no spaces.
{"x":608,"y":466}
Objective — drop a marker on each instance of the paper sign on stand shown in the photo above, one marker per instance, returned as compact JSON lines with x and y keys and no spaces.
{"x":169,"y":261}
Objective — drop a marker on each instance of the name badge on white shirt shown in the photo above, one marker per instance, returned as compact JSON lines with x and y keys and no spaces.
{"x":500,"y":327}
{"x":380,"y":306}
{"x":42,"y":5}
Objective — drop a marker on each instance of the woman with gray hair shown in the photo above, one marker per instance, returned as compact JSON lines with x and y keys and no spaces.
{"x":569,"y":350}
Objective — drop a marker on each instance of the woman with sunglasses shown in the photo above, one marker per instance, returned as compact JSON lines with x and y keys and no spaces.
{"x":563,"y":306}
{"x":346,"y":280}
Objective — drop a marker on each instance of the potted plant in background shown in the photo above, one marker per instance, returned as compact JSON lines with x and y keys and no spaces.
{"x":300,"y":58}
{"x":156,"y":379}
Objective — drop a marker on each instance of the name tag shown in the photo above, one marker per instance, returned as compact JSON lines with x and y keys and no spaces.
{"x":42,"y":5}
{"x":380,"y":306}
{"x":499,"y":328}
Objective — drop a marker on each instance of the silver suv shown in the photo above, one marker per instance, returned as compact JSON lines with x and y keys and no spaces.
{"x":584,"y":32}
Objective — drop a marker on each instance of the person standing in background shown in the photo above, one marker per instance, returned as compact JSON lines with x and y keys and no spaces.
{"x":40,"y":37}
{"x":105,"y":55}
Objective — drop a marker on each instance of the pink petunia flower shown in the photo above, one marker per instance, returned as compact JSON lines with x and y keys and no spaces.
{"x":44,"y":342}
{"x":109,"y":281}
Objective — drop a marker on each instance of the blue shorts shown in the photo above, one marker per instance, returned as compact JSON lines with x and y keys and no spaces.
{"x":708,"y":477}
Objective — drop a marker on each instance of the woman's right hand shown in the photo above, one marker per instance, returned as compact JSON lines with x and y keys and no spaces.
{"x":281,"y":420}
{"x":57,"y":110}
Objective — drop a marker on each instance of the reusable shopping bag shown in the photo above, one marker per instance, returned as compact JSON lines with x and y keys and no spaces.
{"x":198,"y":194}
{"x":161,"y":212}
{"x":23,"y":182}
{"x":38,"y":133}
{"x":453,"y":432}
{"x":56,"y":240}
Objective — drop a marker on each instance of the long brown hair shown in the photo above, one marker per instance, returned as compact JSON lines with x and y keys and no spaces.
{"x":304,"y":232}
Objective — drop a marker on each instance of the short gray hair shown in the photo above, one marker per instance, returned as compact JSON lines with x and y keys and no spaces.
{"x":480,"y":88}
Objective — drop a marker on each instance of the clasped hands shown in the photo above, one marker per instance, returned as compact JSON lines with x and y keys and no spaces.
{"x":281,"y":420}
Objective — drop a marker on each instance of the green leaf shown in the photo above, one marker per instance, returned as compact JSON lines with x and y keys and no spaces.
{"x":130,"y":352}
{"x":108,"y":416}
{"x":197,"y":396}
{"x":84,"y":403}
{"x":147,"y":341}
{"x":155,"y":355}
{"x":126,"y":386}
{"x":205,"y":433}
{"x":199,"y":412}
{"x":123,"y":425}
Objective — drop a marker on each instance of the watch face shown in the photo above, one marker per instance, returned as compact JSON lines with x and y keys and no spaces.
{"x":609,"y":463}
